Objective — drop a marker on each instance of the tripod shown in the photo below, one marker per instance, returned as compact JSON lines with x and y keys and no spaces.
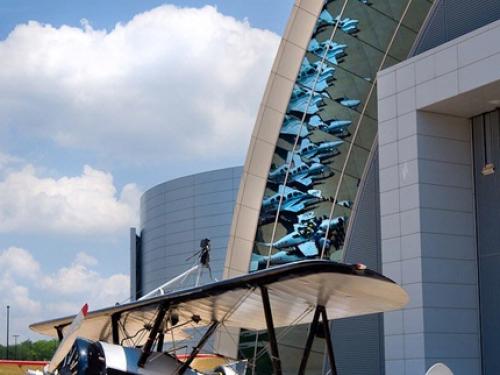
{"x":203,"y":262}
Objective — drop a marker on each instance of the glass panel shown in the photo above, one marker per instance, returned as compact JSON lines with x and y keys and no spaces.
{"x":331,"y":98}
{"x":324,"y":144}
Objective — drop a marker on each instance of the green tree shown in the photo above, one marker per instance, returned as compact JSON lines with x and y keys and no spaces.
{"x":41,"y":350}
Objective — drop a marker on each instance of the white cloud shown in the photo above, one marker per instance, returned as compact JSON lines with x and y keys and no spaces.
{"x":176,"y":83}
{"x":79,"y":279}
{"x":85,"y":259}
{"x":44,"y":296}
{"x":19,"y":262}
{"x":17,"y":296}
{"x":80,"y":204}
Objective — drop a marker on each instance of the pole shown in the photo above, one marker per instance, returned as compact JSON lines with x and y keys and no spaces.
{"x":8,"y":322}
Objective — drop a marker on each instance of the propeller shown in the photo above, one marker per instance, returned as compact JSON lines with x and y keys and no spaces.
{"x":68,"y":339}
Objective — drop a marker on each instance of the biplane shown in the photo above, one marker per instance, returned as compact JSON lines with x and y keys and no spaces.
{"x":131,"y":338}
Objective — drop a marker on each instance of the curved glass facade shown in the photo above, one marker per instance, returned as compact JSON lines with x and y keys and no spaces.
{"x":329,"y":128}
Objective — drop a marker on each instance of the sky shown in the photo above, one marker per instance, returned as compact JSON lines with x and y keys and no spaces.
{"x":99,"y":101}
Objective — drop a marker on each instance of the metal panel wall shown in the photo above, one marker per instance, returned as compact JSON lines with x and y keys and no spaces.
{"x":486,"y":138}
{"x":175,"y":216}
{"x":450,"y":19}
{"x":359,"y":341}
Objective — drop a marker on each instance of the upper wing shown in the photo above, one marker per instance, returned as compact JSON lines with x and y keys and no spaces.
{"x":294,"y":288}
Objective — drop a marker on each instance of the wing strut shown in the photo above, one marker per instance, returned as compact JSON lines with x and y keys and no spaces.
{"x":309,"y":342}
{"x":146,"y":349}
{"x":328,"y":338}
{"x":115,"y":318}
{"x":198,"y":347}
{"x":275,"y":355}
{"x":319,"y":312}
{"x":59,"y":330}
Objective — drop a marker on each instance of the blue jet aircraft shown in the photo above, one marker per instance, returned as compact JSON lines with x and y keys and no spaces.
{"x":318,"y":152}
{"x":306,"y":101}
{"x":292,"y":126}
{"x":335,"y":127}
{"x":347,"y":102}
{"x":334,"y":51}
{"x":300,"y":172}
{"x":345,"y":203}
{"x":331,"y":224}
{"x":259,"y":262}
{"x":315,"y":76}
{"x":347,"y":25}
{"x":302,"y":233}
{"x":306,"y":241}
{"x":293,"y":200}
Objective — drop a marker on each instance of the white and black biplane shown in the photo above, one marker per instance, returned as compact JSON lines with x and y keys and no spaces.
{"x":130,"y":338}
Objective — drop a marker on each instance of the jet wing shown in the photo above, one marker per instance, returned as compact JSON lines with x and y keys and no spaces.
{"x":294,"y":289}
{"x":297,"y":207}
{"x":305,"y":181}
{"x":295,"y":129}
{"x":308,"y":248}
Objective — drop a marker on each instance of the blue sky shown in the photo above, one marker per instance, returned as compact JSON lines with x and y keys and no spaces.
{"x":100,"y":100}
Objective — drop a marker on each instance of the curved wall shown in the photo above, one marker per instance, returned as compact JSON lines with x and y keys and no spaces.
{"x":174,"y":217}
{"x":315,"y":129}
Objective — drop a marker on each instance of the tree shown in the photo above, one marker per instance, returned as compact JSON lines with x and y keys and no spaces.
{"x":41,"y":350}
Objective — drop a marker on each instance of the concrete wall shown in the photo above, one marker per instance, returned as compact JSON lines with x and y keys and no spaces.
{"x":427,"y":200}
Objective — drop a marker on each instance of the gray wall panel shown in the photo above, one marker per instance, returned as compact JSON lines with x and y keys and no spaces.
{"x":488,"y":234}
{"x":175,"y":216}
{"x":359,"y":341}
{"x":450,"y":19}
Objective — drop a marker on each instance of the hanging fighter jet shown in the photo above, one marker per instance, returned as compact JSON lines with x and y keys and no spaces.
{"x":347,"y":102}
{"x":317,"y":152}
{"x":335,"y":127}
{"x":347,"y":25}
{"x":316,"y":76}
{"x":330,"y":224}
{"x":334,"y":51}
{"x":294,"y":126}
{"x":345,"y":203}
{"x":300,"y":172}
{"x":306,"y":101}
{"x":309,"y":235}
{"x":293,"y":200}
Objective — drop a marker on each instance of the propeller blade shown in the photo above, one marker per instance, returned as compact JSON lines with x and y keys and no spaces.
{"x":68,"y":339}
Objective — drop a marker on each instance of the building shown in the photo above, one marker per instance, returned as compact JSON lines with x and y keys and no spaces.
{"x":440,"y":202}
{"x":174,"y":217}
{"x":376,"y":142}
